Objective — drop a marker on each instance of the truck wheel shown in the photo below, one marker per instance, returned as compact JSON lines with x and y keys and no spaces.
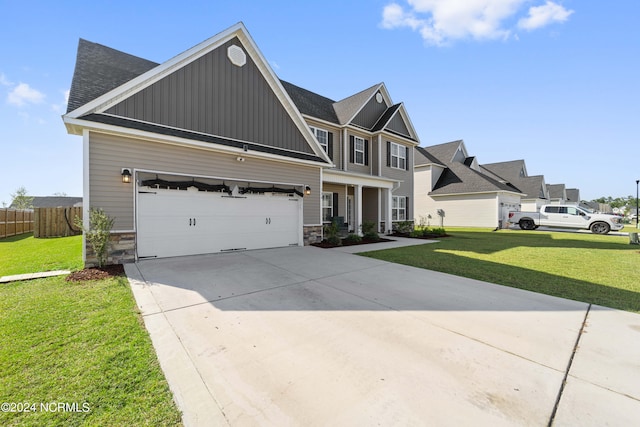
{"x":600,"y":228}
{"x":527,"y":224}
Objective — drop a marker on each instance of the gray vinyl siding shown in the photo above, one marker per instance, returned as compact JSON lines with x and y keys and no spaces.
{"x":406,"y":187}
{"x":213,"y":96}
{"x":342,"y":197}
{"x":337,"y":138}
{"x":396,"y":124}
{"x":108,"y":154}
{"x":370,"y":205}
{"x":370,"y":113}
{"x":354,"y":167}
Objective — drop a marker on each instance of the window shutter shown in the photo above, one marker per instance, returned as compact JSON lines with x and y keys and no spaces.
{"x":406,"y":161}
{"x":388,"y":154}
{"x":407,"y":216}
{"x":335,"y":204}
{"x":351,"y":149}
{"x":366,"y":152}
{"x":330,"y":144}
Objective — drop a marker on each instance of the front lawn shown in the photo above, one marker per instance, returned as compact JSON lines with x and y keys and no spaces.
{"x":23,"y":254}
{"x":81,"y":345}
{"x":603,"y":270}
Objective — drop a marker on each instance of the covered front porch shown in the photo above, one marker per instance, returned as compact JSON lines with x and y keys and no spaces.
{"x":351,"y":199}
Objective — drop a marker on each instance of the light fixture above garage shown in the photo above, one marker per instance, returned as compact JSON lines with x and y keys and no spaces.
{"x":307,"y":190}
{"x":126,"y":175}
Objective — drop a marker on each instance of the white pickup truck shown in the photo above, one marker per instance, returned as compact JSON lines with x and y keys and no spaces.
{"x":566,"y":216}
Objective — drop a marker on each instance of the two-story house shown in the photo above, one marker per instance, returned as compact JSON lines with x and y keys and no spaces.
{"x":210,"y":151}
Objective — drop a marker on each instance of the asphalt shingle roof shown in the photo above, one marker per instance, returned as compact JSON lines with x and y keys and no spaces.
{"x":100,"y":69}
{"x":459,"y":178}
{"x":311,"y":103}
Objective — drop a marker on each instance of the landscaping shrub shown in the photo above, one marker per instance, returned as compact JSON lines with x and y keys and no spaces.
{"x":98,"y":233}
{"x":369,"y":231}
{"x":332,"y":234}
{"x":403,"y":227}
{"x":352,"y":238}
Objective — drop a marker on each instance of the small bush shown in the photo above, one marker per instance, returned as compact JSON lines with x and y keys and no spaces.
{"x":369,"y":231}
{"x":332,"y":234}
{"x":98,"y":233}
{"x":438,"y":231}
{"x":403,"y":227}
{"x":353,"y":238}
{"x":417,"y":233}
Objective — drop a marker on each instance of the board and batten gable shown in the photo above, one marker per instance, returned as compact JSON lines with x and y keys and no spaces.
{"x":108,"y":154}
{"x":213,"y":96}
{"x":397,"y":124}
{"x":370,"y":113}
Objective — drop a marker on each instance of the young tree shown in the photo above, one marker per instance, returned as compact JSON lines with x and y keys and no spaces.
{"x":21,"y":200}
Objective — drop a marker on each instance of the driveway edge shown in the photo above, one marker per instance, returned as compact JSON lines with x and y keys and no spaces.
{"x":185,"y":382}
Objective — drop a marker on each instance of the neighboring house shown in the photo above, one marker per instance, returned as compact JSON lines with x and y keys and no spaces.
{"x":55,"y":202}
{"x":557,"y":193}
{"x":573,"y":196}
{"x":450,"y":184}
{"x":222,"y":155}
{"x":515,"y":173}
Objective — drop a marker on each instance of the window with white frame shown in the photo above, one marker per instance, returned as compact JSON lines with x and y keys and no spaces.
{"x":358,"y":150}
{"x":399,"y":208}
{"x":322,"y":136}
{"x":398,"y":156}
{"x":327,"y":207}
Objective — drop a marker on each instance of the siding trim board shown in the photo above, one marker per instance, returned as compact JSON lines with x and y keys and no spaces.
{"x":156,"y":129}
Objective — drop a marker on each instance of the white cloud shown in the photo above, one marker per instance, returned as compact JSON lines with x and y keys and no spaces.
{"x":4,"y":81}
{"x":441,"y":22}
{"x":23,"y":94}
{"x":62,"y":106}
{"x":540,"y":16}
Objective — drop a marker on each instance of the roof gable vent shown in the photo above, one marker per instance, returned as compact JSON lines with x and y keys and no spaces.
{"x":236,"y":55}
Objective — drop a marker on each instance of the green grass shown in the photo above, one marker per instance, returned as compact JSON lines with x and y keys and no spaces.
{"x":24,"y":254}
{"x":81,"y":343}
{"x":603,"y":270}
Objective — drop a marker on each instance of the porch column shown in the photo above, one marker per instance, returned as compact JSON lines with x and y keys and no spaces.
{"x":357,"y":202}
{"x":388,"y":226}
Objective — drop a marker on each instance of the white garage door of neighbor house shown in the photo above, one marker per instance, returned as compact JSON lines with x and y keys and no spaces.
{"x":187,"y":222}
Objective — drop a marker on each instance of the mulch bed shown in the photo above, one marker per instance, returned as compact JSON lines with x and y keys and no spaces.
{"x":326,"y":245}
{"x":96,"y":273}
{"x":426,"y":236}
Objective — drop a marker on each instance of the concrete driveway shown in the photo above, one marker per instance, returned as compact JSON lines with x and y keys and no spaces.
{"x":309,"y":336}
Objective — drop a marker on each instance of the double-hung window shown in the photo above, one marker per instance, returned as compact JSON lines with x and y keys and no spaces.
{"x":399,"y":208}
{"x":358,"y":151}
{"x":398,"y":156}
{"x":322,"y":136}
{"x":327,"y":206}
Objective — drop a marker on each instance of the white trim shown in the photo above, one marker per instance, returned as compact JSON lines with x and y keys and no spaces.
{"x":86,"y":186}
{"x":477,"y":192}
{"x":357,"y":139}
{"x":398,"y":157}
{"x":190,"y":175}
{"x":351,"y":178}
{"x":323,"y":207}
{"x":315,"y":130}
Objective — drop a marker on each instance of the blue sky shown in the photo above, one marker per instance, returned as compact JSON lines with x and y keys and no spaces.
{"x":555,"y":83}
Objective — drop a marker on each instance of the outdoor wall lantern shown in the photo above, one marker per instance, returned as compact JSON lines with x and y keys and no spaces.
{"x":307,"y":190}
{"x":126,"y":175}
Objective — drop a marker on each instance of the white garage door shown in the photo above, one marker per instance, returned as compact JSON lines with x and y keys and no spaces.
{"x":189,"y":222}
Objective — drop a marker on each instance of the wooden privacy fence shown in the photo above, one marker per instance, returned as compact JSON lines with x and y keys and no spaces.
{"x":56,"y":222}
{"x":15,"y":221}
